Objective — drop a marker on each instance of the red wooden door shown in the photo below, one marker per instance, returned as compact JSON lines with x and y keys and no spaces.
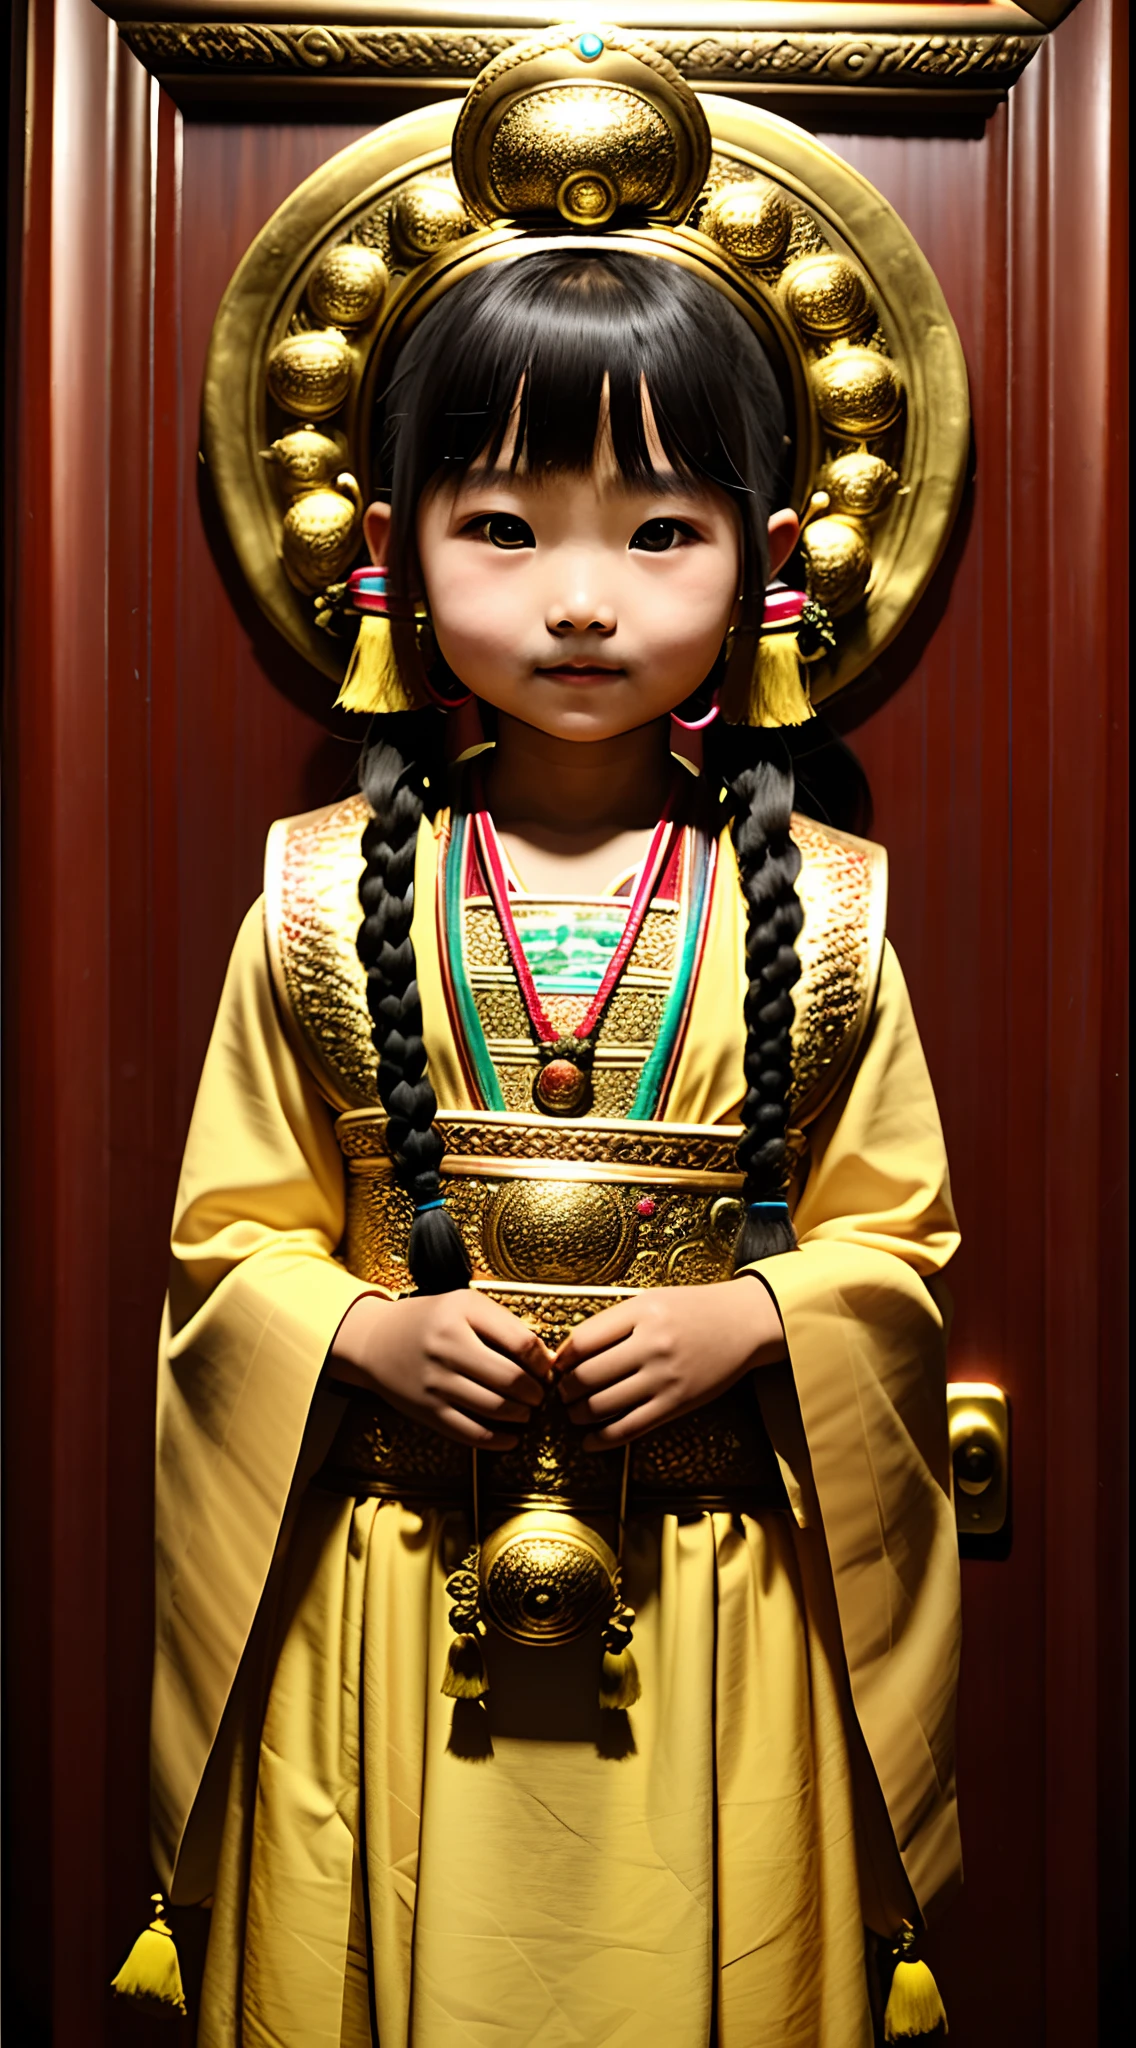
{"x":152,"y":731}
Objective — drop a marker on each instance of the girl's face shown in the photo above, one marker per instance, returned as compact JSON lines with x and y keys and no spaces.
{"x":582,"y":604}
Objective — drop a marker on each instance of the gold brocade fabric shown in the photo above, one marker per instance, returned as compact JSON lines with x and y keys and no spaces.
{"x":312,"y":916}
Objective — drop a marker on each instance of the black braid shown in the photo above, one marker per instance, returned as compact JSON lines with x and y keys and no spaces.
{"x":396,"y":779}
{"x":768,"y":863}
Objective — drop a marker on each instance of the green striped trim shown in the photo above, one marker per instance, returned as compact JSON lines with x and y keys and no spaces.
{"x":646,"y":1103}
{"x":485,"y":1072}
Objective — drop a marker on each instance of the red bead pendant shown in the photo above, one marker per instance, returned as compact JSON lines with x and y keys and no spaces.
{"x":562,"y":1088}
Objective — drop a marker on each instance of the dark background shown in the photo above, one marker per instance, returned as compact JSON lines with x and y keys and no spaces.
{"x":152,"y":732}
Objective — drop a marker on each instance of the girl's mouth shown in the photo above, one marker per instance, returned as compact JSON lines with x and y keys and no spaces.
{"x":581,"y":671}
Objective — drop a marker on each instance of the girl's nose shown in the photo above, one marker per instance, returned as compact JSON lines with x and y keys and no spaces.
{"x":581,"y":612}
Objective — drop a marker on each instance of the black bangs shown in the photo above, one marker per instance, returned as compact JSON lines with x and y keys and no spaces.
{"x":542,"y":333}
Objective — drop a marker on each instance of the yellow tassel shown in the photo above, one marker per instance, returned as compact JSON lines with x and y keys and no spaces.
{"x":777,"y":690}
{"x":465,"y":1677}
{"x":373,"y":682}
{"x":619,"y":1680}
{"x":151,"y":1973}
{"x":782,"y":685}
{"x":915,"y":2010}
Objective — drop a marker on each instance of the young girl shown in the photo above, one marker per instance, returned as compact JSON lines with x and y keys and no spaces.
{"x":671,"y":1818}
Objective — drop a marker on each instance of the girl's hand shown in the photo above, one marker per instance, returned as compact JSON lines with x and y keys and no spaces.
{"x":664,"y":1352}
{"x":457,"y":1362}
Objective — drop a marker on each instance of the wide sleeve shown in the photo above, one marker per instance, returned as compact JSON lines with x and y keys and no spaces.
{"x":256,"y":1296}
{"x":867,"y":1351}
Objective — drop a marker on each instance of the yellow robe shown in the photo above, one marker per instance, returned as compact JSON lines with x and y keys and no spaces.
{"x":794,"y":1667}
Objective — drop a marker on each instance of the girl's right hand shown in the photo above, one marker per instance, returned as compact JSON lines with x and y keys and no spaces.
{"x":458,"y":1363}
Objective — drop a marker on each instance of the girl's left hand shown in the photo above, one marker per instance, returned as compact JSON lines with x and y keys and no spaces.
{"x":664,"y":1352}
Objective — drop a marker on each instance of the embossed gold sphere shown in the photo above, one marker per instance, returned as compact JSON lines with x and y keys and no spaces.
{"x":427,"y":214}
{"x":752,"y":222}
{"x":584,"y":143}
{"x":839,"y":562}
{"x":549,"y":1230}
{"x":826,"y":295}
{"x":308,"y":374}
{"x":304,"y":459}
{"x":347,"y":285}
{"x":545,"y":1578}
{"x":321,"y":533}
{"x":857,"y":391}
{"x":587,"y":199}
{"x":861,"y":483}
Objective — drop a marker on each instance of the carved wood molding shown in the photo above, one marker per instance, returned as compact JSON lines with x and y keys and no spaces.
{"x":259,"y":56}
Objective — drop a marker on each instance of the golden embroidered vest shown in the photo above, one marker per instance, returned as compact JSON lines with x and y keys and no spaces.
{"x":561,"y":1216}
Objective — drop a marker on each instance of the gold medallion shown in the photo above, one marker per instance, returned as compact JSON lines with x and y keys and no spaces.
{"x":546,"y":1578}
{"x":596,"y":143}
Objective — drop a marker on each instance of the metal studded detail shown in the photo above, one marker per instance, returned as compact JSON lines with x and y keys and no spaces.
{"x":312,"y":916}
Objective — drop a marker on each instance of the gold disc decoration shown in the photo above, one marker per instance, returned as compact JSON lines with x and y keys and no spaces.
{"x":569,"y":1230}
{"x":585,"y":138}
{"x":546,"y":1577}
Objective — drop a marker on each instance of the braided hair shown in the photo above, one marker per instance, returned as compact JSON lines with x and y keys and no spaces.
{"x":396,"y":780}
{"x":550,"y":344}
{"x":762,"y":788}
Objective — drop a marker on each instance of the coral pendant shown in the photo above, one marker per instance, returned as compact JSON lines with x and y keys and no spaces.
{"x":562,"y":1089}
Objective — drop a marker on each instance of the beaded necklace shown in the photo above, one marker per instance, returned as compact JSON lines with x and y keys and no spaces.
{"x":563,"y":1084}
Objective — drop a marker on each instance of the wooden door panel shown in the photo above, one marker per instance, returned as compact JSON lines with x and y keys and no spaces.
{"x":994,"y":755}
{"x":153,"y":729}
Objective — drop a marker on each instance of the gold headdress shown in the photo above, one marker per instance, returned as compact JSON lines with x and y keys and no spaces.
{"x":584,"y":133}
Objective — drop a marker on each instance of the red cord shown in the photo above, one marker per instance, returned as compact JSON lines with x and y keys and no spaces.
{"x":654,"y":866}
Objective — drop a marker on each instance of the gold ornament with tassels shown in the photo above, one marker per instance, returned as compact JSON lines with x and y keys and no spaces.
{"x":465,"y":1676}
{"x":619,"y":1674}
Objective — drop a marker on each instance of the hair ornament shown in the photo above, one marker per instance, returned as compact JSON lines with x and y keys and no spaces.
{"x":768,"y":1208}
{"x":583,"y":137}
{"x":374,"y":682}
{"x":796,"y":630}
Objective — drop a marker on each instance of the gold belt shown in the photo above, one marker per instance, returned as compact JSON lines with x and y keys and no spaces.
{"x":561,"y":1220}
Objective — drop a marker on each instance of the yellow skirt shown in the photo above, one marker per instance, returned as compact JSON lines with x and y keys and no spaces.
{"x":401,"y":1870}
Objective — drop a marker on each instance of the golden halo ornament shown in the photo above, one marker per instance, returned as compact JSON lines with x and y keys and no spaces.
{"x":584,"y":135}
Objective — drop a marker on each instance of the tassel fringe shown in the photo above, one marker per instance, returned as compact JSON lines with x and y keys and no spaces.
{"x":465,"y":1676}
{"x":373,"y":683}
{"x":796,"y":631}
{"x":782,"y":685}
{"x":619,"y":1680}
{"x":619,"y":1673}
{"x":776,"y":692}
{"x":151,"y":1974}
{"x":915,"y":2010}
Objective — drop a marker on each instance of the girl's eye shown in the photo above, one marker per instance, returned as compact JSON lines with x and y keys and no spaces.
{"x":505,"y":530}
{"x":655,"y":536}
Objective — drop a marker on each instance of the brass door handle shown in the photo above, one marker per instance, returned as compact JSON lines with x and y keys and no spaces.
{"x":978,"y":1416}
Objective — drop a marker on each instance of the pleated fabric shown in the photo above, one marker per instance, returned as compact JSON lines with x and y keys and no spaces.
{"x":401,"y":1869}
